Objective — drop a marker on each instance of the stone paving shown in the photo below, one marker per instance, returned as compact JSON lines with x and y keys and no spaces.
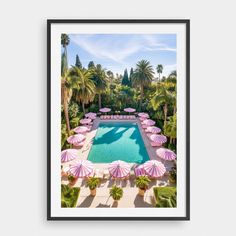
{"x":130,"y":197}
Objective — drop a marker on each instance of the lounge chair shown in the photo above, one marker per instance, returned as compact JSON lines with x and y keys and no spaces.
{"x":144,"y":126}
{"x":79,"y":145}
{"x":98,"y":174}
{"x":106,"y":174}
{"x":154,"y":144}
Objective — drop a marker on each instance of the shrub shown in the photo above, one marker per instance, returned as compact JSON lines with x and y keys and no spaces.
{"x":116,"y":192}
{"x":165,"y":196}
{"x":69,"y":196}
{"x":93,"y":182}
{"x":142,"y":182}
{"x":173,"y":174}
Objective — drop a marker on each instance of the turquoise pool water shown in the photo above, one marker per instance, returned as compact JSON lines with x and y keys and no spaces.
{"x":118,"y":141}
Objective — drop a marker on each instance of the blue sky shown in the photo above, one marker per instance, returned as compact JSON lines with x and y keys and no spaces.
{"x":116,"y":52}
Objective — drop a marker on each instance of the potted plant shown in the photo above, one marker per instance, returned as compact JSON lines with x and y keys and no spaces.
{"x":116,"y":193}
{"x":142,"y":183}
{"x":72,"y":180}
{"x":92,"y":183}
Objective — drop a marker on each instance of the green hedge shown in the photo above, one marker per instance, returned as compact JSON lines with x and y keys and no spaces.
{"x":165,"y":196}
{"x":69,"y":196}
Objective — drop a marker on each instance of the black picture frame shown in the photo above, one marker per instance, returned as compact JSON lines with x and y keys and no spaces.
{"x":186,"y":22}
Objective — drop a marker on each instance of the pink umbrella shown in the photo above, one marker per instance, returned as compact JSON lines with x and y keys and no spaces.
{"x":129,"y":109}
{"x":153,"y":129}
{"x":69,"y":155}
{"x":81,"y":129}
{"x":154,"y":168}
{"x":139,"y":170}
{"x":91,"y":114}
{"x":77,"y":138}
{"x":119,"y":169}
{"x":105,"y":109}
{"x":144,"y":115}
{"x":85,"y":121}
{"x":166,"y":154}
{"x":148,"y":122}
{"x":81,"y":168}
{"x":158,"y":138}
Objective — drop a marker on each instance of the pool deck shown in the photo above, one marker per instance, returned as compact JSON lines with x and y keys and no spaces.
{"x":130,"y":198}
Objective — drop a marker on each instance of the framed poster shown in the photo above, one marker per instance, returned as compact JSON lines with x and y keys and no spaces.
{"x":118,"y":119}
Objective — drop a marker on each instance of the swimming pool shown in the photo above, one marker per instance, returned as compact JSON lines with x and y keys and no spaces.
{"x":118,"y":141}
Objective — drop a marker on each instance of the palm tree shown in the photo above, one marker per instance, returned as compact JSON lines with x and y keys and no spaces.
{"x":170,"y":127}
{"x":65,"y":85}
{"x":163,"y":97}
{"x":142,"y":76}
{"x":159,"y":70}
{"x":85,"y":89}
{"x":65,"y":40}
{"x":100,"y":79}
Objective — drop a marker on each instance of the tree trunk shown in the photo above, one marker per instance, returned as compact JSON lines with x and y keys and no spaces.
{"x":165,"y":113}
{"x":99,"y":101}
{"x":174,"y":110}
{"x":65,"y":106}
{"x":83,"y":108}
{"x":159,"y":77}
{"x":141,"y":97}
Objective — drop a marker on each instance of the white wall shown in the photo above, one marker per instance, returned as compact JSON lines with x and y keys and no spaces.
{"x":23,"y":114}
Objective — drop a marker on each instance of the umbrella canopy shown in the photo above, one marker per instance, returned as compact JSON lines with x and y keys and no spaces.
{"x":144,"y":115}
{"x":119,"y":169}
{"x":154,"y":168}
{"x":166,"y":154}
{"x":90,"y":114}
{"x":105,"y":109}
{"x":77,"y":138}
{"x":81,"y":168}
{"x":153,"y":129}
{"x":139,"y":170}
{"x":85,"y":121}
{"x":158,"y":138}
{"x":129,"y":109}
{"x":81,"y":129}
{"x":69,"y":155}
{"x":149,"y":122}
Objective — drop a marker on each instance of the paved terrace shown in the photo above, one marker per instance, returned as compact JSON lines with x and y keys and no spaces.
{"x":130,"y":198}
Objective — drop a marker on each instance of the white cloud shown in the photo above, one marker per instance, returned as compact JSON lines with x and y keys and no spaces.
{"x":121,"y":48}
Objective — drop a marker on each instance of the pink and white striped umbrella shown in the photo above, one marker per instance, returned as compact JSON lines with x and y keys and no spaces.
{"x":139,"y":171}
{"x":77,"y":138}
{"x":144,"y":115}
{"x":158,"y":138}
{"x":69,"y":155}
{"x":153,"y":129}
{"x":81,"y":168}
{"x":129,"y":109}
{"x":105,"y":109}
{"x":85,"y":121}
{"x":166,"y":154}
{"x":149,"y":122}
{"x":154,"y":168}
{"x":119,"y":169}
{"x":90,"y":114}
{"x":81,"y":129}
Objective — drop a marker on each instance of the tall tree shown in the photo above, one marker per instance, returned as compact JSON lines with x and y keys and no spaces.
{"x":142,"y":76}
{"x":91,"y":65}
{"x":159,"y":70}
{"x":65,"y":85}
{"x":99,"y":77}
{"x":65,"y":40}
{"x":125,"y":80}
{"x":163,"y":97}
{"x":130,"y":75}
{"x":170,"y":128}
{"x":85,"y":90}
{"x":78,"y":62}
